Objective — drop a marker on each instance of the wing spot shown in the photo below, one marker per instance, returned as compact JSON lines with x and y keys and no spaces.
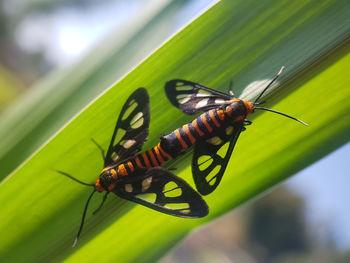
{"x":182,"y":96}
{"x":212,"y":181}
{"x":128,"y":188}
{"x":184,"y":100}
{"x":229,"y":130}
{"x":211,"y":177}
{"x":115,"y":157}
{"x":186,"y":211}
{"x":120,"y":135}
{"x":148,"y":197}
{"x":215,"y":140}
{"x":175,"y":206}
{"x":128,"y":143}
{"x":219,"y":101}
{"x":223,"y":150}
{"x":204,"y":162}
{"x":202,"y":93}
{"x":170,"y":186}
{"x":202,"y":103}
{"x":185,"y":87}
{"x":132,"y":106}
{"x":137,"y":121}
{"x":173,"y":193}
{"x":146,"y":183}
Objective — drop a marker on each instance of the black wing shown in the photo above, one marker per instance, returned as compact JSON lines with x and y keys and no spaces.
{"x":210,"y":158}
{"x":193,"y":98}
{"x":131,"y":130}
{"x":161,"y":190}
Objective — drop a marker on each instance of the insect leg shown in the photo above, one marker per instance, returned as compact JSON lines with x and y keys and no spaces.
{"x":246,"y":122}
{"x":100,"y":148}
{"x":103,"y":201}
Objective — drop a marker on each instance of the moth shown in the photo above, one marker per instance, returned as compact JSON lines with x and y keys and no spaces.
{"x":214,"y":133}
{"x":139,"y":177}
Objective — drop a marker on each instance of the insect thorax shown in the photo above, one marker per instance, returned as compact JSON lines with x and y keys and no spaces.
{"x":235,"y":111}
{"x":106,"y":179}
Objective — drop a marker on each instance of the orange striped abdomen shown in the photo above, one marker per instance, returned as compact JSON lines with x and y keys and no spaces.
{"x":153,"y":157}
{"x":200,"y":128}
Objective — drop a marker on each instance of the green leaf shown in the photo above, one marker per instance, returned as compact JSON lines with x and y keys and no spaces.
{"x":238,"y":40}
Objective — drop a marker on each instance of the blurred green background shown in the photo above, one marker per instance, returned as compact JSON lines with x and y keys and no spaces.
{"x":43,"y":43}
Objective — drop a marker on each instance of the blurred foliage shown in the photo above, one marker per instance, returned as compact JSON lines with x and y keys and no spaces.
{"x":57,"y":98}
{"x":27,"y":66}
{"x":9,"y":87}
{"x":277,"y":224}
{"x":271,"y":229}
{"x":41,"y":210}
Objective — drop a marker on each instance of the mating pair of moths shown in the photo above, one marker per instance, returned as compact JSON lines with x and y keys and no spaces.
{"x":140,"y":177}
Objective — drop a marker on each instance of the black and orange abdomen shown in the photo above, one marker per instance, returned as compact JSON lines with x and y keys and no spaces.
{"x":153,"y":157}
{"x":203,"y":127}
{"x":172,"y":145}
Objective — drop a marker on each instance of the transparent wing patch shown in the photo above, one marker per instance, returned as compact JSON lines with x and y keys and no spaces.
{"x":131,"y":130}
{"x":161,"y":190}
{"x":193,"y":98}
{"x":210,"y":158}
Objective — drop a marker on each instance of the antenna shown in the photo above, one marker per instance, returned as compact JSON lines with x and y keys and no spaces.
{"x":86,"y":205}
{"x":268,"y":85}
{"x":83,"y":218}
{"x":73,"y":178}
{"x":266,"y":109}
{"x":293,"y":118}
